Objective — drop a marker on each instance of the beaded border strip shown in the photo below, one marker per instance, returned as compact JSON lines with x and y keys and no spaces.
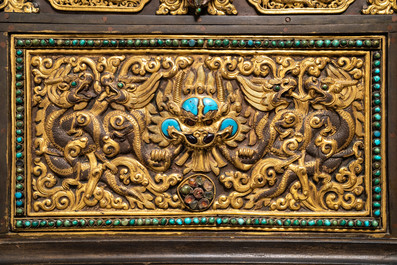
{"x":375,"y":222}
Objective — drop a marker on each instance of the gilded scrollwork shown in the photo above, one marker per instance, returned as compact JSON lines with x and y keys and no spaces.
{"x":181,"y":7}
{"x":299,"y":6}
{"x":380,"y":7}
{"x":100,"y":5}
{"x":198,"y":133}
{"x":18,"y":6}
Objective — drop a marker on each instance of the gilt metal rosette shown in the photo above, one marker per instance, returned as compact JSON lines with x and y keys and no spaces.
{"x":198,"y":132}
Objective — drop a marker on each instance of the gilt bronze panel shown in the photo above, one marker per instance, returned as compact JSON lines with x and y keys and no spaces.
{"x":198,"y":132}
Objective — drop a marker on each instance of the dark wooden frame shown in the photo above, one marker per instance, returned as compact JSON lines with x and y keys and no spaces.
{"x":198,"y":247}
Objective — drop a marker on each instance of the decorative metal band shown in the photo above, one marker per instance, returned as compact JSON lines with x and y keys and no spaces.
{"x":18,"y":6}
{"x":380,"y":7}
{"x":203,"y":132}
{"x":299,"y":7}
{"x":99,"y":5}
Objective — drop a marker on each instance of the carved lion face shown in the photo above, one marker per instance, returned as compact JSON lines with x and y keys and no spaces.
{"x":200,"y":124}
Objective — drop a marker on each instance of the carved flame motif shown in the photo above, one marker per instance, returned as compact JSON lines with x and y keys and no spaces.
{"x":258,"y":132}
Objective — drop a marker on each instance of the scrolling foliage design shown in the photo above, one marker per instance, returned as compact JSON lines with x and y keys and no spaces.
{"x":300,"y":6}
{"x":158,"y":132}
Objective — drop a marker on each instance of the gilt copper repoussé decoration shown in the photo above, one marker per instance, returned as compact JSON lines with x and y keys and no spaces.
{"x":203,"y":132}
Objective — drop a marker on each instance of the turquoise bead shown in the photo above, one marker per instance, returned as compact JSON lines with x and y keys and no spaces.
{"x":376,"y":180}
{"x":148,"y":221}
{"x":140,"y":221}
{"x":196,"y":220}
{"x":296,"y":222}
{"x":171,"y":221}
{"x":287,"y":222}
{"x":19,"y":203}
{"x":377,"y":109}
{"x":82,"y":42}
{"x":179,"y":221}
{"x":377,"y":158}
{"x":67,"y":223}
{"x":188,"y":221}
{"x":192,"y":43}
{"x":281,"y":44}
{"x":210,"y":42}
{"x":377,"y":55}
{"x":132,"y":222}
{"x":19,"y":155}
{"x":233,"y":221}
{"x":226,"y":42}
{"x":377,"y":212}
{"x":116,"y":222}
{"x":211,"y":220}
{"x":327,"y":222}
{"x":335,"y":43}
{"x":377,"y":117}
{"x":377,"y":63}
{"x":266,"y":43}
{"x":263,"y":221}
{"x":75,"y":222}
{"x":311,"y":222}
{"x":51,"y":223}
{"x":219,"y":221}
{"x":319,"y":43}
{"x":350,"y":223}
{"x":19,"y":224}
{"x":27,"y":223}
{"x":234,"y":43}
{"x":376,"y":71}
{"x":250,"y":43}
{"x":82,"y":222}
{"x":19,"y":52}
{"x":375,"y":223}
{"x":18,"y":195}
{"x":159,"y":42}
{"x":242,"y":43}
{"x":342,"y":222}
{"x":203,"y":220}
{"x":377,"y":189}
{"x":240,"y":221}
{"x":376,"y":78}
{"x":35,"y":223}
{"x":163,"y":221}
{"x":279,"y":222}
{"x":377,"y":133}
{"x":218,"y":43}
{"x":155,"y":221}
{"x":327,"y":43}
{"x":377,"y":142}
{"x":359,"y":43}
{"x":225,"y":220}
{"x":377,"y":197}
{"x":303,"y":223}
{"x":256,"y":221}
{"x":367,"y":223}
{"x":376,"y":204}
{"x":359,"y":223}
